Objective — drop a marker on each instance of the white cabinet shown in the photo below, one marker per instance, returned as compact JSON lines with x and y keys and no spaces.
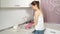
{"x":15,"y":3}
{"x":51,"y":31}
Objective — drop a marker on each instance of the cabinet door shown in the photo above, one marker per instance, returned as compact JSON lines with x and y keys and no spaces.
{"x":50,"y":31}
{"x":57,"y":32}
{"x":26,"y":3}
{"x":8,"y":3}
{"x":15,"y":3}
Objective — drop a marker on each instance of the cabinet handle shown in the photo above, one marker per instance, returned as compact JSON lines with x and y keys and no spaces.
{"x":52,"y":32}
{"x":17,"y":5}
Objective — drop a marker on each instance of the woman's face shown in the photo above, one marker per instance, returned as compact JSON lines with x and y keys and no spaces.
{"x":34,"y":7}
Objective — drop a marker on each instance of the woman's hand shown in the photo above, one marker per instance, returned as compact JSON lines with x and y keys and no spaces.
{"x":29,"y":25}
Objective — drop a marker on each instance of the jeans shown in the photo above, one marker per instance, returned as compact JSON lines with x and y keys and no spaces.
{"x":39,"y":32}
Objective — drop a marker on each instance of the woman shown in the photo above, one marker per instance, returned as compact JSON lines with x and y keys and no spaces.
{"x":38,"y":18}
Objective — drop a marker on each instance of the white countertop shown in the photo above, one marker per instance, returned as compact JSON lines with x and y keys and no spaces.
{"x":22,"y":30}
{"x":53,"y":26}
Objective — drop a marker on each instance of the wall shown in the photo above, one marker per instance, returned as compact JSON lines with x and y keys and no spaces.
{"x":51,"y":10}
{"x":13,"y":16}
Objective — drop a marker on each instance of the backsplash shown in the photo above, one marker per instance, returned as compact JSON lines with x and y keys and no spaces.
{"x":13,"y":16}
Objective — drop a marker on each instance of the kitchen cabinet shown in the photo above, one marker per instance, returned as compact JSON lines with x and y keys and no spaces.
{"x":52,"y":28}
{"x":15,"y":3}
{"x":51,"y":31}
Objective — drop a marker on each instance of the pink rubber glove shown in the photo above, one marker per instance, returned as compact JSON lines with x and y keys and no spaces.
{"x":29,"y":25}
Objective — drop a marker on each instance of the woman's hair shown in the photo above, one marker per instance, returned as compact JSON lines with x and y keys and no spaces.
{"x":35,"y":3}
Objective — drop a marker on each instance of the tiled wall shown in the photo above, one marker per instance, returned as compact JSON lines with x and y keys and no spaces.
{"x":13,"y":16}
{"x":51,"y":9}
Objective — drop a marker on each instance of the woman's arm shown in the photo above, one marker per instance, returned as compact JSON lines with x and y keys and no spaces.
{"x":36,"y":18}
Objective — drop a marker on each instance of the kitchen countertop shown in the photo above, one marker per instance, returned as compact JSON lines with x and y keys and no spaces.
{"x":22,"y":30}
{"x":53,"y":26}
